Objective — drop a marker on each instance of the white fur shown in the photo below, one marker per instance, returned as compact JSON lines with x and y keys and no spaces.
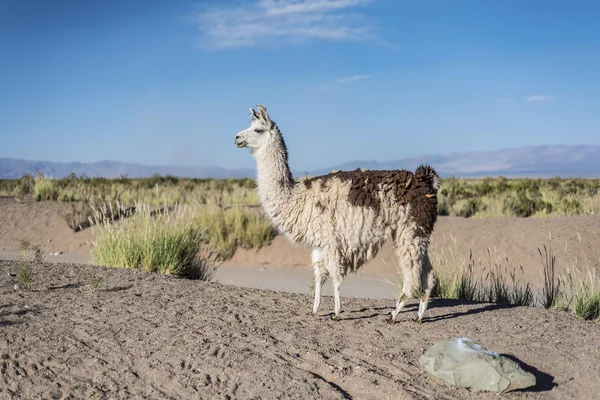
{"x":343,"y":236}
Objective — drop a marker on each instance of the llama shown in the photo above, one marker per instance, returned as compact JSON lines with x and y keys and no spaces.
{"x":346,"y":216}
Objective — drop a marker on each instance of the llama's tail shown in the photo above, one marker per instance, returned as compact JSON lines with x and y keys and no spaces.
{"x":427,"y":175}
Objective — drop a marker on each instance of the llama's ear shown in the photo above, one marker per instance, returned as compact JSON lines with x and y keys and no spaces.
{"x":262,"y":110}
{"x":253,"y":114}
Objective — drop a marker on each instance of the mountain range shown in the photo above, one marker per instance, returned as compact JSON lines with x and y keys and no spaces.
{"x":532,"y":161}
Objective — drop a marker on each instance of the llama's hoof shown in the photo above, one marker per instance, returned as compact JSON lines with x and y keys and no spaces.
{"x":333,"y":317}
{"x":390,"y":320}
{"x":417,"y":320}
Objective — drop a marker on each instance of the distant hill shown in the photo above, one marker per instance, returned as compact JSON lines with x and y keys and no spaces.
{"x":11,"y":168}
{"x":534,"y":161}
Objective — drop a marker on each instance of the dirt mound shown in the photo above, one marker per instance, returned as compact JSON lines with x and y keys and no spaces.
{"x":112,"y":333}
{"x":42,"y":224}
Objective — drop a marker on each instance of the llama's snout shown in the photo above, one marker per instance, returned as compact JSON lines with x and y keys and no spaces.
{"x":239,"y":141}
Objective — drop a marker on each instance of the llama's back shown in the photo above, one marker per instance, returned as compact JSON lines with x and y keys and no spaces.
{"x":357,"y":211}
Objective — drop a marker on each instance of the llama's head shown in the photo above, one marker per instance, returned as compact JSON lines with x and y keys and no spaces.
{"x":261,"y":131}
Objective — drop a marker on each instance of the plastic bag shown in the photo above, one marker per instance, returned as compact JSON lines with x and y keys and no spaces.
{"x":465,"y":363}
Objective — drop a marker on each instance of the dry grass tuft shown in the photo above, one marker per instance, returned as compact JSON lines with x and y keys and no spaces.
{"x":456,"y":280}
{"x":28,"y":257}
{"x":163,"y":240}
{"x":45,"y":189}
{"x":566,"y":289}
{"x":236,"y":227}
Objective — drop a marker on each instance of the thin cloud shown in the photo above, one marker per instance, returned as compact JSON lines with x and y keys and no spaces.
{"x":345,"y":80}
{"x":540,"y":97}
{"x":353,"y":78}
{"x":272,"y":22}
{"x":289,"y":7}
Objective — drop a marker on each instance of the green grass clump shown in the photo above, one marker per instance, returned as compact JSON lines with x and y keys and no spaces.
{"x":27,"y":257}
{"x":552,"y":295}
{"x":20,"y":188}
{"x":45,"y":189}
{"x":236,"y":227}
{"x":568,"y":290}
{"x":457,"y":281}
{"x":522,"y":293}
{"x":153,"y":240}
{"x":496,"y":197}
{"x":499,"y":289}
{"x":587,"y":303}
{"x":565,"y":290}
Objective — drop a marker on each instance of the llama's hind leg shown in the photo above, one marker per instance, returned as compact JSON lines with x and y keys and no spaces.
{"x":337,"y":307}
{"x":410,"y":250}
{"x":407,"y":288}
{"x":427,"y":283}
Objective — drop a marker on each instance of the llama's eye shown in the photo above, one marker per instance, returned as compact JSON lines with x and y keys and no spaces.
{"x":259,"y":130}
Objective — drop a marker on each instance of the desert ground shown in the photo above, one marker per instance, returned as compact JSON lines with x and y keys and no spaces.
{"x":95,"y":332}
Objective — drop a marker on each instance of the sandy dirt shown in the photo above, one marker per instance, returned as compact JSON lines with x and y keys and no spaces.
{"x":95,"y":332}
{"x":42,"y":224}
{"x":513,"y":242}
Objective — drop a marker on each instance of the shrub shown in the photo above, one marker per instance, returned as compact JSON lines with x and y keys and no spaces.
{"x":587,"y":303}
{"x":518,"y":206}
{"x":485,"y":188}
{"x":24,"y":186}
{"x":570,"y":206}
{"x":235,"y":227}
{"x":467,"y":207}
{"x":444,"y":207}
{"x":45,"y":189}
{"x":525,"y":204}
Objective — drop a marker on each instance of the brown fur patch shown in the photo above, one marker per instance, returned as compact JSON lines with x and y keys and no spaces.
{"x":408,"y":189}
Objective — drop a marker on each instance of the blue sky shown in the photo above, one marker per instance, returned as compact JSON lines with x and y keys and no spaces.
{"x":171,"y":82}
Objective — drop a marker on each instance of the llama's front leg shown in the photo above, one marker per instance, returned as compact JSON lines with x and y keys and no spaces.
{"x":337,"y":304}
{"x":320,"y":277}
{"x":318,"y":286}
{"x":336,"y":278}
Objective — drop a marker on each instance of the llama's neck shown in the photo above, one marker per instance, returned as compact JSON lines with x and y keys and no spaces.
{"x":275,"y":182}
